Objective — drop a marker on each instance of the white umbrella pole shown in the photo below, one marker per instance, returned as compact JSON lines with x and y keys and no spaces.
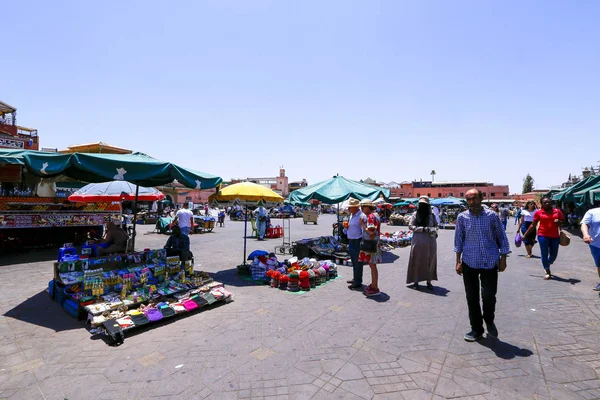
{"x":135,"y":205}
{"x":245,"y":233}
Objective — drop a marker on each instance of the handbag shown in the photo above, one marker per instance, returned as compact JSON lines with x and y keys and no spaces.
{"x":368,"y":246}
{"x":565,"y":239}
{"x":518,"y":240}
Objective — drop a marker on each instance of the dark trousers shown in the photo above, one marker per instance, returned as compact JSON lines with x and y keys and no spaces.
{"x":489,"y":287}
{"x":354,"y":250}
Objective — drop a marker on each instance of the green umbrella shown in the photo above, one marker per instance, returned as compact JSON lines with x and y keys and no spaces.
{"x":337,"y":190}
{"x":137,"y":168}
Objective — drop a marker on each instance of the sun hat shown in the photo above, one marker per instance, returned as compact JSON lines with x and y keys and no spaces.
{"x":424,"y":199}
{"x":366,"y":203}
{"x":354,"y":203}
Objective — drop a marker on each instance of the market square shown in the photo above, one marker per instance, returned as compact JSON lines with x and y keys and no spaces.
{"x":326,"y":343}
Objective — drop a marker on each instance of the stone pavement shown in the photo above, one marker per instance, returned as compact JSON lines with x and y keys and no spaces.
{"x":330,"y":343}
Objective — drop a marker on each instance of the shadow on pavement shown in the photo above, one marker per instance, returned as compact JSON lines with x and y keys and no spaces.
{"x":382,"y":298}
{"x":28,"y":256}
{"x":42,"y":311}
{"x":572,"y":281}
{"x":504,"y":350}
{"x":231,"y":277}
{"x":437,"y":290}
{"x":387,"y":257}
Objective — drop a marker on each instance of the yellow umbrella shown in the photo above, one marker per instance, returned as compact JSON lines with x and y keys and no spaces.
{"x":246,"y":192}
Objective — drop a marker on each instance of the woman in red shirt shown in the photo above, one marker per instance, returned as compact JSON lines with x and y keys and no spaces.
{"x":548,"y":219}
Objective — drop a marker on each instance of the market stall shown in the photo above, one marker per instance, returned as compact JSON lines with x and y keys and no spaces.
{"x":449,"y":208}
{"x":245,"y":194}
{"x":126,"y":291}
{"x":31,"y":222}
{"x":337,"y":190}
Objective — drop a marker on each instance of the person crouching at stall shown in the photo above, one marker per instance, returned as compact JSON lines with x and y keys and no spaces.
{"x":114,"y":241}
{"x":261,"y":220}
{"x":178,"y":245}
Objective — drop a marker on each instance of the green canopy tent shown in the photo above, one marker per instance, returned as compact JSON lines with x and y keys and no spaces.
{"x":567,"y":195}
{"x":137,"y":168}
{"x":338,"y":189}
{"x":586,"y":196}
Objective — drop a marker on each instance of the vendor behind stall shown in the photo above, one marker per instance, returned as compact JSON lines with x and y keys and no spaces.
{"x":178,"y":244}
{"x":114,"y":241}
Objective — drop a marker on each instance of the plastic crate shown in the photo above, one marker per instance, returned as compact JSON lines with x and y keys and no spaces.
{"x":72,"y":308}
{"x":51,"y":288}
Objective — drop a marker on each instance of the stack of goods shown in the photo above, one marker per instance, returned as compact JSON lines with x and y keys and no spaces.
{"x":390,"y":241}
{"x":121,"y":289}
{"x":400,"y":218}
{"x":296,"y":275}
{"x":323,"y":247}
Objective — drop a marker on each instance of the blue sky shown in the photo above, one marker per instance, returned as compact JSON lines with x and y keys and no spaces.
{"x":388,"y":89}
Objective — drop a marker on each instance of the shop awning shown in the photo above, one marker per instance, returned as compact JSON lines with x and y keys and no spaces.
{"x":567,"y":195}
{"x":337,"y":190}
{"x":586,"y":196}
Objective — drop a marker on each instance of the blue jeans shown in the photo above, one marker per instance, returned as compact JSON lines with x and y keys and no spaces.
{"x":357,"y":267}
{"x":185,"y":230}
{"x":504,"y":223}
{"x":596,"y":255}
{"x":549,"y":250}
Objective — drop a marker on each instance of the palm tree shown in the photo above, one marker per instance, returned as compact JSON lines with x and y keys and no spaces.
{"x":432,"y":173}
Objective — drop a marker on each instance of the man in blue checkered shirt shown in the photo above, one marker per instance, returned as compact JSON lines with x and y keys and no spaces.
{"x":481,"y":246}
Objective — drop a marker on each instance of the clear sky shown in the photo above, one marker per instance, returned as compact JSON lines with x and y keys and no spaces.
{"x":486,"y":90}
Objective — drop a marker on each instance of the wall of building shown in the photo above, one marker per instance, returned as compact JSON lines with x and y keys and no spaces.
{"x":489,"y":192}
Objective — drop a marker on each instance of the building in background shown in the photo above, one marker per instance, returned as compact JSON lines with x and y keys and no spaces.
{"x":279,"y":184}
{"x":438,"y":189}
{"x":13,"y":136}
{"x":297,"y":185}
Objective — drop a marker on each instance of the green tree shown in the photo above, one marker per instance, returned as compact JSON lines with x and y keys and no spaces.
{"x":432,"y":173}
{"x":528,"y":184}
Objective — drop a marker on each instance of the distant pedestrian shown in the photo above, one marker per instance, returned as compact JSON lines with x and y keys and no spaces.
{"x":518,"y":215}
{"x":422,"y":264}
{"x":548,"y":219}
{"x":354,"y":233}
{"x":206,"y":210}
{"x":590,"y":227}
{"x":504,"y":214}
{"x":261,"y":220}
{"x":369,"y":249}
{"x":221,"y":218}
{"x":524,"y":223}
{"x":481,"y":246}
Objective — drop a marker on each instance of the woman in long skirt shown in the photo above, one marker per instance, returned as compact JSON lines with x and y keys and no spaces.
{"x":422,"y":265}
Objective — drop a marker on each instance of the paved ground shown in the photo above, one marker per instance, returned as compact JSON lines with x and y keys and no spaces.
{"x":330,"y":343}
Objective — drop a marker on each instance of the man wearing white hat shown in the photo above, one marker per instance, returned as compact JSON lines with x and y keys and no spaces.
{"x":354,"y":233}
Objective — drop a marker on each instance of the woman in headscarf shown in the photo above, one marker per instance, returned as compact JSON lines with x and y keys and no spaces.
{"x":422,"y":264}
{"x":261,"y":220}
{"x":369,"y":250}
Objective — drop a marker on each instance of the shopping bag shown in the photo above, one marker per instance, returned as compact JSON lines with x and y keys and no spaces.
{"x":565,"y":239}
{"x":518,"y":240}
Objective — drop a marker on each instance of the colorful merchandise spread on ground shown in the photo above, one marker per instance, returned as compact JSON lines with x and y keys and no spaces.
{"x":293,"y":275}
{"x":121,"y":292}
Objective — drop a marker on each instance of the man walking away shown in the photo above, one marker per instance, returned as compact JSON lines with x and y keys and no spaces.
{"x":518,"y":214}
{"x":184,"y":218}
{"x":481,"y":246}
{"x":590,"y":227}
